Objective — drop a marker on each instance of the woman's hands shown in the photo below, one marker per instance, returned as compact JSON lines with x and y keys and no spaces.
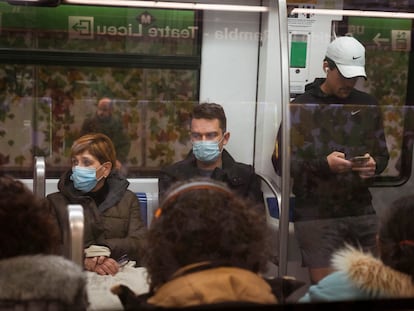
{"x":102,"y":265}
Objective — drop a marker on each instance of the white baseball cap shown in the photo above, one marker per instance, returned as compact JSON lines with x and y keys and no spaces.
{"x":349,"y":56}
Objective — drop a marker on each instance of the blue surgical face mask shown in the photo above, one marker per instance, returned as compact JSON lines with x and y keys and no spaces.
{"x":84,"y":178}
{"x":206,"y":150}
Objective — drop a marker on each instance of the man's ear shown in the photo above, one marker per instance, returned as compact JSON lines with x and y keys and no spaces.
{"x":325,"y":66}
{"x":226,"y":137}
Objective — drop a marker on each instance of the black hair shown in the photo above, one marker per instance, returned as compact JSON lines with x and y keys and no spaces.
{"x":203,"y":220}
{"x":27,"y":225}
{"x":331,"y":63}
{"x":396,"y":236}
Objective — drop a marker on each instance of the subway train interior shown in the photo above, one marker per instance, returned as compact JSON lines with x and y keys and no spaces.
{"x":157,"y":59}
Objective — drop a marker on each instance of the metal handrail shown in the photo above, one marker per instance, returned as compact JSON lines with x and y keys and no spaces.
{"x":76,"y":228}
{"x":285,"y":143}
{"x":272,"y":186}
{"x":39,"y":177}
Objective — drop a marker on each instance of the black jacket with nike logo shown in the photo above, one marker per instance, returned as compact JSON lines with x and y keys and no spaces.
{"x":321,"y":124}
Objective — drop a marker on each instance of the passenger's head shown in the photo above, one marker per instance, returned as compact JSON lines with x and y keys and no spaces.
{"x":208,"y":131}
{"x":93,"y":157}
{"x":202,"y":220}
{"x":104,"y":109}
{"x":396,"y":236}
{"x":344,"y":63}
{"x":211,"y":111}
{"x":26,"y":226}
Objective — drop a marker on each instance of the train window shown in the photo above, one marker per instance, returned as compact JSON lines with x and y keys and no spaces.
{"x":59,"y":58}
{"x":388,"y":66}
{"x":317,"y":127}
{"x":57,"y":62}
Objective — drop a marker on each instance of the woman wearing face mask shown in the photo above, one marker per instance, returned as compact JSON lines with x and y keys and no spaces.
{"x":113,"y":226}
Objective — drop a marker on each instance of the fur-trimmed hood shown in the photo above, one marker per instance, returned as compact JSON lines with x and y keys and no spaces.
{"x":42,"y":277}
{"x":372,"y":275}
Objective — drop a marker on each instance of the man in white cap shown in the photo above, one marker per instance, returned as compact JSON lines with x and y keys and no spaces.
{"x":337,"y":147}
{"x":345,"y":59}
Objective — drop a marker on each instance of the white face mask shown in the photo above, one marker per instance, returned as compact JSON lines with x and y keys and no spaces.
{"x":84,"y":178}
{"x":207,"y":150}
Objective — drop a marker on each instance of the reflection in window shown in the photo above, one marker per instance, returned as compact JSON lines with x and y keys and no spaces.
{"x":44,"y":116}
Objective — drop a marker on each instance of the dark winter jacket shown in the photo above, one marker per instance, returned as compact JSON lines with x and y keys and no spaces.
{"x":321,"y":124}
{"x":238,"y":176}
{"x":115,"y":223}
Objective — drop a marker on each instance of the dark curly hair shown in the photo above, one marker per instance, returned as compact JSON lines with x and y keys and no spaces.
{"x":396,"y":236}
{"x":26,"y":224}
{"x":203,"y":220}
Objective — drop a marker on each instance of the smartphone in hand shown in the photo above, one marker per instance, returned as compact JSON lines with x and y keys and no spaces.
{"x":359,"y":161}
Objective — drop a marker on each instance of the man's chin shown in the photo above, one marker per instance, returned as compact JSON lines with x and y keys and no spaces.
{"x":343,"y":93}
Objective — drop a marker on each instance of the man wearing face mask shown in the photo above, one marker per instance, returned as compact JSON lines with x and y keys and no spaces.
{"x":208,"y":157}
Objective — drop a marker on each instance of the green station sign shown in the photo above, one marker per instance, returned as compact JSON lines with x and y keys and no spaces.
{"x":102,"y":29}
{"x":382,"y":33}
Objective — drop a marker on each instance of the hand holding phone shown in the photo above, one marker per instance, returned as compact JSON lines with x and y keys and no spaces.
{"x":359,"y":161}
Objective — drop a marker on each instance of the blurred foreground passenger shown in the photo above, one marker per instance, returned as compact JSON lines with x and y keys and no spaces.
{"x":113,"y":226}
{"x":205,"y":245}
{"x":31,"y":276}
{"x":361,"y":276}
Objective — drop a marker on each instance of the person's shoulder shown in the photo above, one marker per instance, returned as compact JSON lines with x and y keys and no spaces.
{"x":244,"y":166}
{"x":335,"y":286}
{"x":311,"y":93}
{"x":175,"y":168}
{"x":307,"y":97}
{"x":130,"y":194}
{"x":188,"y":161}
{"x":230,"y":163}
{"x":114,"y":120}
{"x":363,"y":97}
{"x":174,"y":165}
{"x":88,"y":120}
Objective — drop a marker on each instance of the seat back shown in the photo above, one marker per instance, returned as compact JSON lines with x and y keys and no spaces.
{"x":272,"y":196}
{"x":148,"y":202}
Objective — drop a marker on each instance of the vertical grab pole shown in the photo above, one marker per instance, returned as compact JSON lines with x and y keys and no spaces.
{"x":39,"y":181}
{"x":285,"y":143}
{"x":76,"y":227}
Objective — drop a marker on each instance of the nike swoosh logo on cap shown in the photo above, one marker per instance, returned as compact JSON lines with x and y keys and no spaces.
{"x":355,"y":112}
{"x":355,"y":57}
